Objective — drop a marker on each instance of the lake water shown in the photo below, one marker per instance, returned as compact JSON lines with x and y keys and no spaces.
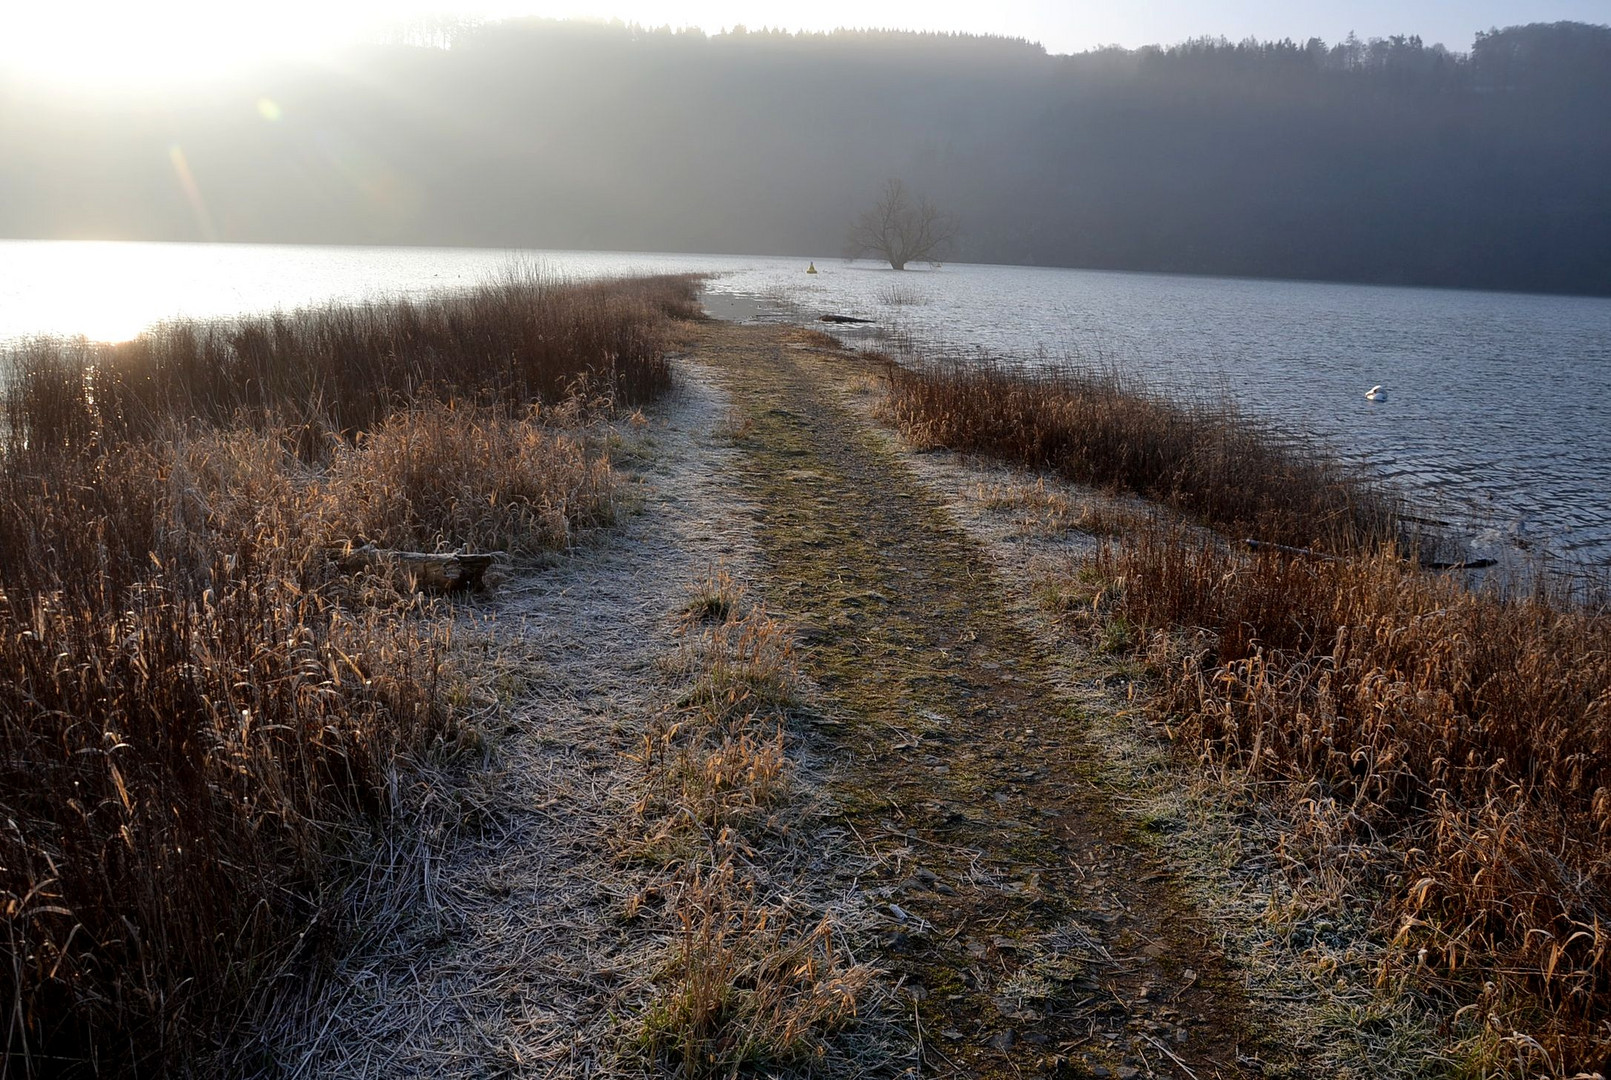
{"x":1498,"y":408}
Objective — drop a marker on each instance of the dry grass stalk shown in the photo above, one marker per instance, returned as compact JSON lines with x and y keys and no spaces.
{"x":750,"y":980}
{"x":746,"y":986}
{"x":1207,"y":461}
{"x":197,"y":716}
{"x":818,"y":339}
{"x":180,"y":770}
{"x":1439,"y":757}
{"x":736,"y":425}
{"x":336,"y":371}
{"x":1444,"y":755}
{"x":438,"y":476}
{"x":1047,"y":512}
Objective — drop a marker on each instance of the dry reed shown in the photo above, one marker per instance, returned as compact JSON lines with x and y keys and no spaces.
{"x":1207,"y":461}
{"x":340,"y":370}
{"x":187,"y":738}
{"x":1039,"y":510}
{"x":438,"y":476}
{"x":1444,"y":756}
{"x":198,"y":718}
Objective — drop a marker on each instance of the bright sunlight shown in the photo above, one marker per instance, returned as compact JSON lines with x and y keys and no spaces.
{"x":103,"y":44}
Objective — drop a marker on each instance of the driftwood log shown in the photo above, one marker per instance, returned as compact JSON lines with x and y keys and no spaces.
{"x":1425,"y":564}
{"x":842,"y":319}
{"x":443,"y":572}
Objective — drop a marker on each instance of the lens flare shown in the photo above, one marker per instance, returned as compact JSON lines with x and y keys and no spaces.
{"x":192,"y":192}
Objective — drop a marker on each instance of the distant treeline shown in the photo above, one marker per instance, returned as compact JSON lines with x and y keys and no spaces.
{"x":1382,"y":161}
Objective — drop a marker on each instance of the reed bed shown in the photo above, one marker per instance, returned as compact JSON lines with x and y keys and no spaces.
{"x":1444,"y":756}
{"x":1440,"y":755}
{"x":335,"y":371}
{"x":1205,"y":460}
{"x":201,"y":719}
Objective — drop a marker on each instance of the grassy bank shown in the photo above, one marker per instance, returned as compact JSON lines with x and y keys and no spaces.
{"x":1440,"y":757}
{"x":1444,"y":757}
{"x":1207,"y":461}
{"x":200,"y":717}
{"x":341,"y":370}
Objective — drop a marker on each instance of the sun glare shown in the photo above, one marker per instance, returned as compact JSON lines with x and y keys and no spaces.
{"x":108,"y":45}
{"x":98,"y":44}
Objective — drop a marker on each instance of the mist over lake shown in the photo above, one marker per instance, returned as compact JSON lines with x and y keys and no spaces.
{"x":1391,"y":161}
{"x":1496,"y":409}
{"x":803,"y":539}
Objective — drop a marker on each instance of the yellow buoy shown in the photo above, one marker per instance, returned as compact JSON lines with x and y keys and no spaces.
{"x":812,"y":269}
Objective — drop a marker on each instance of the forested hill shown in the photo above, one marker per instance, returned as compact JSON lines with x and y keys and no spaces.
{"x":1381,"y":161}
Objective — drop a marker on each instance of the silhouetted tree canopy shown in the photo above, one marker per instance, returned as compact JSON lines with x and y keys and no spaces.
{"x":1386,"y":160}
{"x":901,"y":228}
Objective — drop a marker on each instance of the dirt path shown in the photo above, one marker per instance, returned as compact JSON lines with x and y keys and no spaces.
{"x":1032,"y":926}
{"x":499,"y":950}
{"x":1027,"y":927}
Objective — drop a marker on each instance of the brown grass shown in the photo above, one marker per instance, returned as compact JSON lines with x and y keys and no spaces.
{"x":820,"y":339}
{"x":1206,"y":461}
{"x":746,"y":986}
{"x":752,"y":979}
{"x":200,"y":721}
{"x":437,"y":477}
{"x":333,"y":372}
{"x":1441,"y":756}
{"x":1042,"y":511}
{"x":1444,"y":756}
{"x":187,"y":737}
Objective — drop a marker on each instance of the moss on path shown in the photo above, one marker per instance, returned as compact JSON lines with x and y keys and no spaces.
{"x":1036,"y":931}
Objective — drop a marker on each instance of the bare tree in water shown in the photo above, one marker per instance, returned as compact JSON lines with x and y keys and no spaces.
{"x":902,"y":228}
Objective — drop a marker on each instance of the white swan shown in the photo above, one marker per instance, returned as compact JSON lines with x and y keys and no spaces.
{"x":1376,"y":393}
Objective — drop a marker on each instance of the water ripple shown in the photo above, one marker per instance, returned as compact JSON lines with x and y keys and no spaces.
{"x":1497,"y":404}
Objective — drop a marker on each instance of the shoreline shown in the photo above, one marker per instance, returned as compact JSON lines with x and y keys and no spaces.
{"x":1362,"y":957}
{"x":820,"y":693}
{"x":1520,"y":559}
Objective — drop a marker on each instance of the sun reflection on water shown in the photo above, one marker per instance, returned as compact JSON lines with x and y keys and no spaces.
{"x":1496,"y":412}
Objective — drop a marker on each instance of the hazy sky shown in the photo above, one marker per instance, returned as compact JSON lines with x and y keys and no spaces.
{"x":110,"y":42}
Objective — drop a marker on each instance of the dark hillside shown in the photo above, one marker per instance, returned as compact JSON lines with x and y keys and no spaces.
{"x":1385,"y":160}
